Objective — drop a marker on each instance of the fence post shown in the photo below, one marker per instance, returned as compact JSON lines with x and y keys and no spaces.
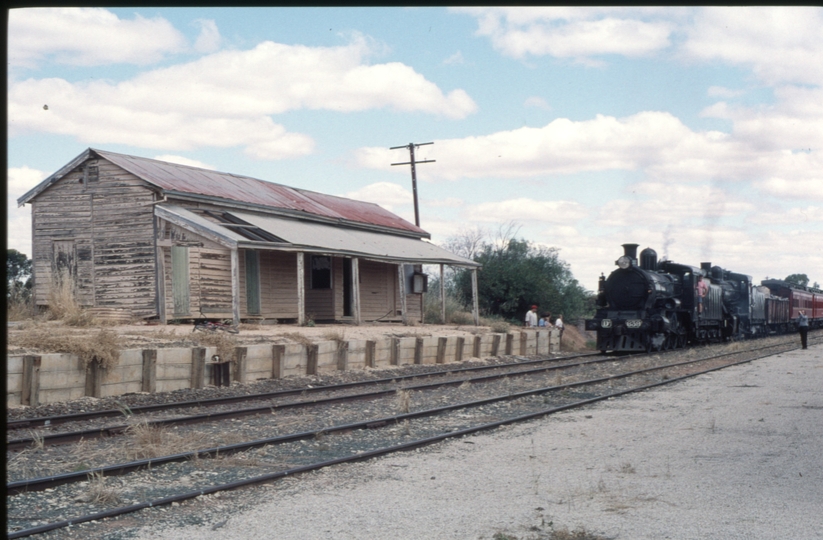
{"x":342,"y":355}
{"x":240,"y":364}
{"x":441,"y":350}
{"x":476,"y":348}
{"x":31,"y":380}
{"x":524,"y":340}
{"x":395,"y":351}
{"x":94,"y":377}
{"x":418,"y":351}
{"x":311,"y":359}
{"x":458,"y":349}
{"x":495,"y":344}
{"x":198,"y":366}
{"x":149,"y":370}
{"x":278,"y":355}
{"x":509,"y":344}
{"x":371,"y":347}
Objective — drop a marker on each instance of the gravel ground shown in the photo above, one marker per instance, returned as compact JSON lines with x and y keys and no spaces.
{"x":732,"y":454}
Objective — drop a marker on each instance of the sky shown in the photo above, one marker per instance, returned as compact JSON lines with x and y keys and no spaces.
{"x":697,"y":132}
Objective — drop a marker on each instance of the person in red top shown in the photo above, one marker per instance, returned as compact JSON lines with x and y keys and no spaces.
{"x":702,"y":290}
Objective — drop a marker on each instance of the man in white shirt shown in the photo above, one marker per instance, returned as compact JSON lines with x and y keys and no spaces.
{"x":559,"y":325}
{"x":531,"y":317}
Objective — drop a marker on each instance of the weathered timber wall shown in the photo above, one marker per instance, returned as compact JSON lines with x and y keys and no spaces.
{"x":49,"y":378}
{"x":99,"y":227}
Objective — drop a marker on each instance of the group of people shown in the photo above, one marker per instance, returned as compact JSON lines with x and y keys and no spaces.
{"x":533,"y":321}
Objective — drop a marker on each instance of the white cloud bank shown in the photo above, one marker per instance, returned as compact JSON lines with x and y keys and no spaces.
{"x":88,"y":37}
{"x":224,"y":99}
{"x":574,"y":33}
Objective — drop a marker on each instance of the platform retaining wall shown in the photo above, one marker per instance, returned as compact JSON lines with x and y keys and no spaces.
{"x":54,"y":377}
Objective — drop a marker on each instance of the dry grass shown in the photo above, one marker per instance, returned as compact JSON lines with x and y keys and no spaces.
{"x":334,"y":335}
{"x":224,"y":343}
{"x":403,"y":400}
{"x":18,"y":309}
{"x":298,"y":337}
{"x":63,"y":305}
{"x":102,"y":347}
{"x":99,"y":492}
{"x":578,"y":534}
{"x":147,"y":441}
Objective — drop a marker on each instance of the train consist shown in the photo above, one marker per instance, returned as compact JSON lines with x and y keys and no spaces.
{"x":647,"y":305}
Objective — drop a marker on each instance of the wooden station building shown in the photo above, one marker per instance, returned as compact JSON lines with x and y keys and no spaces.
{"x":153,"y":239}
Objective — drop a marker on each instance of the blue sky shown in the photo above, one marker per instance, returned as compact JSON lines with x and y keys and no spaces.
{"x":697,"y":132}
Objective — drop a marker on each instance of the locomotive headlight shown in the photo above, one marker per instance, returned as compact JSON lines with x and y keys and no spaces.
{"x":624,"y":262}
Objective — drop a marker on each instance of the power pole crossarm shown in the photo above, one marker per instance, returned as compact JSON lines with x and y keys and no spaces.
{"x":412,"y":162}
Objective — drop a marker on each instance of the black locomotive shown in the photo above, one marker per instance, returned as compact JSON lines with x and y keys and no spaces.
{"x":648,"y":305}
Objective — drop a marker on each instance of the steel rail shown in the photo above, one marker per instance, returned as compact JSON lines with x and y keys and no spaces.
{"x":95,"y":433}
{"x":142,"y":409}
{"x":357,"y":457}
{"x":38,"y":484}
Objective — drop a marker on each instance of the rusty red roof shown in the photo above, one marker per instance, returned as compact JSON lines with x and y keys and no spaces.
{"x":187,"y":180}
{"x":193,"y":180}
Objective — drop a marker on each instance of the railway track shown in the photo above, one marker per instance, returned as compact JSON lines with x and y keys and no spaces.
{"x":340,"y":441}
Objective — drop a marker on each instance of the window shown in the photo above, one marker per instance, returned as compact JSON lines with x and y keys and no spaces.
{"x":91,"y":174}
{"x":320,"y":272}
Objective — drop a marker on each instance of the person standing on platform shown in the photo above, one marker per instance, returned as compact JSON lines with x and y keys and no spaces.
{"x":803,"y":327}
{"x":531,"y":317}
{"x":559,"y":324}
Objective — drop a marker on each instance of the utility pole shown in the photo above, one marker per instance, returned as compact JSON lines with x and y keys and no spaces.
{"x":411,"y":147}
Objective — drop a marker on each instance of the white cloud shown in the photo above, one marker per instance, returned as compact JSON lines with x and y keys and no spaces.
{"x":209,"y":39}
{"x":666,"y":203}
{"x":18,"y":220}
{"x":88,"y":37}
{"x":577,"y":33}
{"x":723,"y":92}
{"x":537,"y":102}
{"x":456,"y":58}
{"x":225,"y":99}
{"x":524,"y":209}
{"x":184,"y":161}
{"x":386,"y":194}
{"x":791,"y":216}
{"x":793,"y":188}
{"x":656,"y":141}
{"x":780,"y":44}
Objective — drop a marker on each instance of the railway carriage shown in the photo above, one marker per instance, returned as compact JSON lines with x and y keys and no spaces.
{"x":809,"y":299}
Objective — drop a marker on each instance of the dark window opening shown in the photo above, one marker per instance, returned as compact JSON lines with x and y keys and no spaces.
{"x":320,"y":272}
{"x":347,"y":287}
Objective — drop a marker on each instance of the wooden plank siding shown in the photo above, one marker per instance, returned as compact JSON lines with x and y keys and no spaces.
{"x":102,"y":227}
{"x":110,"y":220}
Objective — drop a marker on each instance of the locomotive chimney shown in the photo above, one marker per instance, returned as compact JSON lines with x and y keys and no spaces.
{"x":706,"y":267}
{"x":630,"y":251}
{"x":648,"y":259}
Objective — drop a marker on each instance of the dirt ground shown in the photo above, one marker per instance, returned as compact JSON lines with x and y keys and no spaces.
{"x":22,"y":335}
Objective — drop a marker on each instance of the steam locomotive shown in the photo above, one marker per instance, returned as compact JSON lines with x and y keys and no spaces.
{"x":651,"y":305}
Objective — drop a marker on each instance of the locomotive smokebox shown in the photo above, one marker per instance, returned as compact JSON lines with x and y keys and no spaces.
{"x":630,"y":250}
{"x":648,"y":259}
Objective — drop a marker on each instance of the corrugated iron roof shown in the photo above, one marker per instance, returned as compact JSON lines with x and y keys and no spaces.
{"x":313,"y":237}
{"x":192,"y":180}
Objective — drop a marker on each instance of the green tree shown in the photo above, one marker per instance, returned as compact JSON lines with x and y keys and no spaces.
{"x":517,"y":274}
{"x":798,"y":279}
{"x":18,"y":274}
